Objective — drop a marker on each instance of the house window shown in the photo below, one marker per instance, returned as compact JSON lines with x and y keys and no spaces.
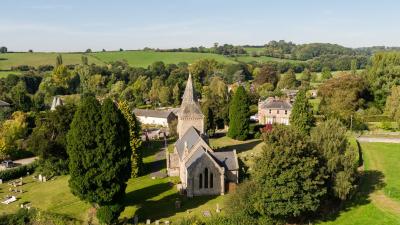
{"x":285,"y":112}
{"x":211,"y":180}
{"x":270,"y":111}
{"x":277,"y":111}
{"x":200,"y":181}
{"x":205,"y":178}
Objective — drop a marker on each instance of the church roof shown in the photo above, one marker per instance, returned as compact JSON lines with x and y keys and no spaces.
{"x":227,"y":159}
{"x":152,"y":113}
{"x":191,"y":137}
{"x":190,"y":106}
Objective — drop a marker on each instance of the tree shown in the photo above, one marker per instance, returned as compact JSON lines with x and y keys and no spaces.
{"x":165,"y":96}
{"x":337,"y":156}
{"x":392,"y":107}
{"x":289,"y":178}
{"x":20,"y":97}
{"x":354,"y":66}
{"x":135,"y":139}
{"x":288,"y":80}
{"x":326,"y":73}
{"x":343,"y":95}
{"x":301,"y":117}
{"x":306,"y":76}
{"x":99,"y":152}
{"x":239,"y":115}
{"x":208,"y":120}
{"x":84,"y":60}
{"x":59,"y":60}
{"x":48,"y":139}
{"x":88,"y":50}
{"x":176,"y":95}
{"x":3,"y":49}
{"x":268,"y":73}
{"x":12,"y":131}
{"x":156,"y":85}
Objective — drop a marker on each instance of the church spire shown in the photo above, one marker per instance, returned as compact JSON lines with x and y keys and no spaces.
{"x":189,"y":96}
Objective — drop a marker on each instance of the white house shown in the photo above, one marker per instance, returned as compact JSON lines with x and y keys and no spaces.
{"x":155,"y":117}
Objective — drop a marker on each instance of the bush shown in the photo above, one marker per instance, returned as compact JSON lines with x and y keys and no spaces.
{"x":17,"y":172}
{"x":53,"y":167}
{"x":22,"y":68}
{"x":44,"y":68}
{"x":108,"y":214}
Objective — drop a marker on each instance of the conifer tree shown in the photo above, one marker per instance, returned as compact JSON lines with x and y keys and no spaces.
{"x":99,"y":152}
{"x":239,"y":115}
{"x":135,"y":140}
{"x":301,"y":116}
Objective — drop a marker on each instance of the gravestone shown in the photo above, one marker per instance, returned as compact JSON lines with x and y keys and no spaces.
{"x":44,"y":179}
{"x":136,"y":220}
{"x":218,"y":210}
{"x":157,"y":222}
{"x":167,"y":222}
{"x":177,"y":204}
{"x":148,"y":221}
{"x":1,"y":181}
{"x":40,"y":177}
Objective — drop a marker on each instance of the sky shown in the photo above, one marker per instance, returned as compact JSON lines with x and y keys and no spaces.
{"x":54,"y":25}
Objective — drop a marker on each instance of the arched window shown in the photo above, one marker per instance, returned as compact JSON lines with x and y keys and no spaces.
{"x":205,"y":178}
{"x":200,"y":181}
{"x":211,"y":180}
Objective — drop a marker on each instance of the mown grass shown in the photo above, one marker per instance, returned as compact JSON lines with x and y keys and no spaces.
{"x":40,"y":58}
{"x":146,"y":58}
{"x":381,"y":173}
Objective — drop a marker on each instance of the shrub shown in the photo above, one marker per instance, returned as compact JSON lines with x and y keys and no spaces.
{"x":108,"y":214}
{"x":35,"y":216}
{"x":44,"y":68}
{"x":17,"y":172}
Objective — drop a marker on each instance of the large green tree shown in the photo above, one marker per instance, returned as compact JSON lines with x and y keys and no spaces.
{"x":135,"y":140}
{"x":239,"y":115}
{"x":289,"y":178}
{"x":337,"y":156}
{"x":392,"y":107}
{"x":99,"y":152}
{"x":301,"y":116}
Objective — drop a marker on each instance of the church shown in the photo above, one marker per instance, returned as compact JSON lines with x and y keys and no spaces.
{"x":202,"y":171}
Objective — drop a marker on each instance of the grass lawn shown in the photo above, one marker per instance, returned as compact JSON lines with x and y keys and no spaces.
{"x":146,"y":58}
{"x":377,"y":202}
{"x":40,"y":58}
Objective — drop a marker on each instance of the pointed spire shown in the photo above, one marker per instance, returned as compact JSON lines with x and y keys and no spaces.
{"x":189,"y":95}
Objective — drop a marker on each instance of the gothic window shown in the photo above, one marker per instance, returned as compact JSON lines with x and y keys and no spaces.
{"x":211,"y":180}
{"x":200,"y":181}
{"x":205,"y":178}
{"x":285,"y":112}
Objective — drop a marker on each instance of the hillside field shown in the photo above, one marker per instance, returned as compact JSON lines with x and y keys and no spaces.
{"x":38,"y":58}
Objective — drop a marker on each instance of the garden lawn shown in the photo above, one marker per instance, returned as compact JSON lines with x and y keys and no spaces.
{"x":378,"y":201}
{"x":40,"y":58}
{"x":146,"y":58}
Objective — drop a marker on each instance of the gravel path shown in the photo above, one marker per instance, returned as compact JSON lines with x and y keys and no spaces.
{"x":378,"y":139}
{"x":159,"y":160}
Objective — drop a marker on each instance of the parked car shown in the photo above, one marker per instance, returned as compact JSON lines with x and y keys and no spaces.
{"x":7,"y":163}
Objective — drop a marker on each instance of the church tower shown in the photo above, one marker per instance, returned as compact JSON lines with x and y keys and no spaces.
{"x":190,"y":114}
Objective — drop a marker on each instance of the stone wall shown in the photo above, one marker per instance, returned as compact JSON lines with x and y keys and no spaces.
{"x":185,"y":123}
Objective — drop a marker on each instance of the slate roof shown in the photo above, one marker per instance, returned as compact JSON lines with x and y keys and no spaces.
{"x":226,"y":159}
{"x":152,"y":113}
{"x":277,"y":104}
{"x":191,"y":137}
{"x":4,"y":104}
{"x":190,"y":106}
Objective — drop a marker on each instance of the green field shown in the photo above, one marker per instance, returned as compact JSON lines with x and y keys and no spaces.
{"x":377,"y":202}
{"x":38,"y":58}
{"x":262,"y":59}
{"x":249,"y":50}
{"x":146,"y":58}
